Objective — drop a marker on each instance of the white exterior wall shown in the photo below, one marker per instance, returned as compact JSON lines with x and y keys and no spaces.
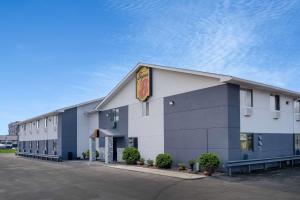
{"x":261,"y":121}
{"x":93,"y":121}
{"x":84,"y":130}
{"x":150,"y":129}
{"x":42,"y":133}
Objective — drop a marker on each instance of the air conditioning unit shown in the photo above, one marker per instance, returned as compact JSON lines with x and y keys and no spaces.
{"x":276,"y":114}
{"x":248,"y":111}
{"x":297,"y":117}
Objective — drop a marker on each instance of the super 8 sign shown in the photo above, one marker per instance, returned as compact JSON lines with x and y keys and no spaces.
{"x":143,"y":83}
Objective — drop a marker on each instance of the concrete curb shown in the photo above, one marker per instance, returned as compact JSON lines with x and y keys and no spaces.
{"x":174,"y":174}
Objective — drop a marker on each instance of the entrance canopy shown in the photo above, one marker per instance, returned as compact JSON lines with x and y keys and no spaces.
{"x":111,"y":133}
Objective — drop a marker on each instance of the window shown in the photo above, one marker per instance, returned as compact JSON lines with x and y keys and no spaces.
{"x":246,"y":142}
{"x":46,"y":147}
{"x":38,"y":124}
{"x":55,"y":120}
{"x":46,"y":121}
{"x":54,"y":146}
{"x":297,"y":144}
{"x":297,"y":106}
{"x":30,"y":145}
{"x":37,"y":145}
{"x":247,"y":97}
{"x":275,"y":102}
{"x":133,"y":142}
{"x":145,"y":109}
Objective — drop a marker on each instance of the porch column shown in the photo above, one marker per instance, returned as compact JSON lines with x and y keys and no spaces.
{"x":92,"y":155}
{"x":108,"y":149}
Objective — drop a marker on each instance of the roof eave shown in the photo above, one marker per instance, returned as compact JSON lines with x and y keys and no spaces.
{"x":262,"y":86}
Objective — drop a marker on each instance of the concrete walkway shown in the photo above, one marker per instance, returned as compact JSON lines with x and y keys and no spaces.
{"x":169,"y":173}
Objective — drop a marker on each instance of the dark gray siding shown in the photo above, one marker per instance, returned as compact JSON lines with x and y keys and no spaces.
{"x":274,"y":145}
{"x":121,"y":128}
{"x":122,"y":124}
{"x":67,"y":133}
{"x":203,"y":121}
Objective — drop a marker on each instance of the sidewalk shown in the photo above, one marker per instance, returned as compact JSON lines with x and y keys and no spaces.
{"x":169,"y":173}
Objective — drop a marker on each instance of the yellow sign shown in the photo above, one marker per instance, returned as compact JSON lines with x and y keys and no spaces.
{"x":143,"y":83}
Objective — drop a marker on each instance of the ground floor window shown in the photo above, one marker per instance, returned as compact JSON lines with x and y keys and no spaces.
{"x":297,"y":144}
{"x":133,"y":142}
{"x":54,"y":147}
{"x":246,"y":141}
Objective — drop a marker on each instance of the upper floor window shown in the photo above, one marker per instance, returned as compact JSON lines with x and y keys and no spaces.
{"x":38,"y":124}
{"x":46,"y":121}
{"x":275,"y":102}
{"x":145,"y":109}
{"x":55,"y":120}
{"x":297,"y":106}
{"x":247,"y":97}
{"x":246,"y":141}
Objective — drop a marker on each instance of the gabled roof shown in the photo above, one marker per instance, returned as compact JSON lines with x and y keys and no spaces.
{"x":61,"y":110}
{"x":222,"y":78}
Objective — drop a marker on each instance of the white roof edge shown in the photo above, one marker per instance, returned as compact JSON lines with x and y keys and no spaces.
{"x":61,"y":110}
{"x":264,"y":86}
{"x":175,"y":69}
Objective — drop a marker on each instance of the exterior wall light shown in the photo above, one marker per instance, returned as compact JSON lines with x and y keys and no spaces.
{"x":171,"y":103}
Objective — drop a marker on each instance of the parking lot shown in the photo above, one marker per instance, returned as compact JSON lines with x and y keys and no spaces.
{"x":24,"y":179}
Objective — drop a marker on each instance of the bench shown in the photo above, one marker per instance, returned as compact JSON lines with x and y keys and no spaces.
{"x":240,"y":163}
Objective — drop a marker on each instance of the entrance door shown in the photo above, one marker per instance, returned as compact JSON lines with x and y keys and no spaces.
{"x":115,"y":153}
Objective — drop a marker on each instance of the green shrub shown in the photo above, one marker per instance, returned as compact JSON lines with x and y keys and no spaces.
{"x":181,"y":166}
{"x":209,"y":162}
{"x":83,"y":155}
{"x":97,"y":154}
{"x":150,"y":162}
{"x":192,"y":164}
{"x":163,"y":161}
{"x":87,"y":154}
{"x":131,"y":155}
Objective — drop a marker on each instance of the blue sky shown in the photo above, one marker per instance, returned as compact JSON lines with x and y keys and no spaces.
{"x":55,"y":53}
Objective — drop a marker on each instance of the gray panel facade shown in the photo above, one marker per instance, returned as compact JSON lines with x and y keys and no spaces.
{"x":273,"y":145}
{"x":67,"y":134}
{"x":122,"y":125}
{"x":120,"y":128}
{"x":206,"y":120}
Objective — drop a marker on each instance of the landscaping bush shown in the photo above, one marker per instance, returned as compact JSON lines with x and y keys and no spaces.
{"x":192,"y":164}
{"x":150,"y":163}
{"x":97,"y":155}
{"x":209,"y":162}
{"x":87,"y":154}
{"x":163,"y":161}
{"x":131,"y":155}
{"x":84,"y":155}
{"x":181,"y":166}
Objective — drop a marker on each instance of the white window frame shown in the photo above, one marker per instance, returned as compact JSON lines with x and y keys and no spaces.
{"x":38,"y":124}
{"x":46,"y":122}
{"x":145,"y":109}
{"x":297,"y":106}
{"x":247,"y":97}
{"x":273,"y":103}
